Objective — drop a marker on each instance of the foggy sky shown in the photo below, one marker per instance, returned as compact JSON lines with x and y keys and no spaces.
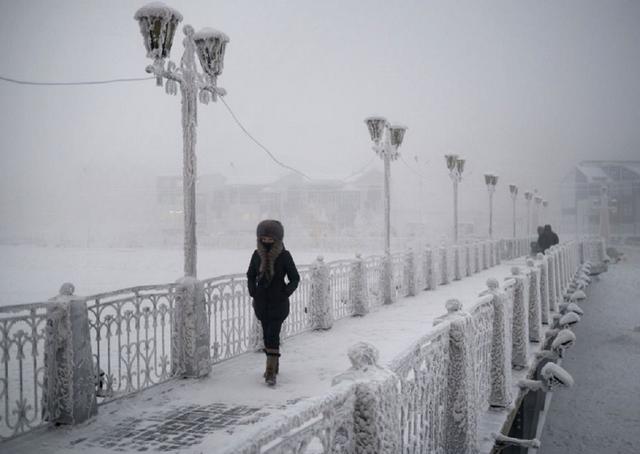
{"x":524,"y":89}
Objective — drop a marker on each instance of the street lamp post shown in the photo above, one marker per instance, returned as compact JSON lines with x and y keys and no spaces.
{"x":455,"y":164}
{"x":528,"y":196}
{"x":545,"y":212}
{"x":158,"y":24}
{"x":491,"y":181}
{"x":513,"y":190}
{"x":386,"y":141}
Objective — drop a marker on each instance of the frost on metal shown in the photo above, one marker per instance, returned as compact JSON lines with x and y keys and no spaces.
{"x":69,"y":393}
{"x":317,"y":425}
{"x":190,"y":334}
{"x":544,"y":289}
{"x":444,"y":267}
{"x":422,"y":370}
{"x":461,"y":411}
{"x":377,"y":407}
{"x":520,"y":330}
{"x":500,"y":395}
{"x":429,"y":267}
{"x":410,"y":273}
{"x":320,"y":311}
{"x":388,"y":290}
{"x":535,"y":313}
{"x":358,"y":287}
{"x":553,"y":303}
{"x":467,"y":260}
{"x":457,"y":263}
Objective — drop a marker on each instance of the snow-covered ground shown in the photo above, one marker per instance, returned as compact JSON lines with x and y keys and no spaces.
{"x":33,"y":273}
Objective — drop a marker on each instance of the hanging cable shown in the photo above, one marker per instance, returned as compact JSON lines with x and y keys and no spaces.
{"x":138,"y":79}
{"x":257,"y":142}
{"x":86,"y":82}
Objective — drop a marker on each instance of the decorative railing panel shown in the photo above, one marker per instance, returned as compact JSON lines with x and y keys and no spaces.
{"x":299,"y":320}
{"x":231,"y":316}
{"x":398,"y":275}
{"x":321,"y":424}
{"x":423,"y":377}
{"x":22,"y":337}
{"x":481,"y":339}
{"x":373,"y":270}
{"x":339,"y":288}
{"x":130,"y":333}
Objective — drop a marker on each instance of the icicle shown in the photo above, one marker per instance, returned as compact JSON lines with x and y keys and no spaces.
{"x":171,"y":87}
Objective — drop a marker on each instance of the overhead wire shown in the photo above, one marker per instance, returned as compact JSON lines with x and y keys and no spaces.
{"x":224,"y":102}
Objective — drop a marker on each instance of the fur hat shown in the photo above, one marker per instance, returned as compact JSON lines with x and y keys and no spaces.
{"x":272,"y":228}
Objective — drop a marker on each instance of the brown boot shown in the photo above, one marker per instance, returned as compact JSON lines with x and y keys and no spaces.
{"x":270,"y":372}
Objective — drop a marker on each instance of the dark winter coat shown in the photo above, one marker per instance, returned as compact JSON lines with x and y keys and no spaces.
{"x":548,"y":238}
{"x":271,"y":296}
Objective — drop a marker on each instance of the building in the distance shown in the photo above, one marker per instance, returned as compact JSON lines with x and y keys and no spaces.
{"x":228,"y":209}
{"x":581,"y":194}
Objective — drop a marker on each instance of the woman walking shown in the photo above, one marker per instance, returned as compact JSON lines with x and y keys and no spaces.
{"x":269,"y":265}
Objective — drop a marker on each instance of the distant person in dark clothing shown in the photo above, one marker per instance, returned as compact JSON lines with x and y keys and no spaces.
{"x":269,"y":265}
{"x":554,"y":236}
{"x":548,"y":238}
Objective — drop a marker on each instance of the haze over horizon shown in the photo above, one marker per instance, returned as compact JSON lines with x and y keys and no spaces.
{"x":524,"y":89}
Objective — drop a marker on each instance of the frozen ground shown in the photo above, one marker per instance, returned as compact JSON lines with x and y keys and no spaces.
{"x":32,"y":273}
{"x":601,"y":413}
{"x":207,"y":415}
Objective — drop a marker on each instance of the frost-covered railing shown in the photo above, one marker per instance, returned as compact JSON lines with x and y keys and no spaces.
{"x":431,"y":396}
{"x":423,"y":372}
{"x":130,"y":332}
{"x":22,"y":338}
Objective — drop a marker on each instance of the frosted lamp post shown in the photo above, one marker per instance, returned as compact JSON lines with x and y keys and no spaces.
{"x":513,"y":190}
{"x":528,"y":196}
{"x":158,"y":24}
{"x":545,"y":214}
{"x":491,"y":181}
{"x":455,"y":164}
{"x":386,"y":141}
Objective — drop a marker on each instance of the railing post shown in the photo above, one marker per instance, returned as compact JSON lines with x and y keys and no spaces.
{"x":535,"y":313}
{"x":320,"y":311}
{"x":429,"y":269}
{"x":461,"y":420}
{"x":553,"y":305}
{"x":500,"y":348}
{"x":444,"y":266}
{"x":190,"y":335}
{"x":410,"y":273}
{"x":498,"y":248}
{"x":388,"y":287}
{"x":457,"y":271}
{"x":378,"y":400}
{"x":544,"y":288}
{"x":476,"y":258}
{"x":520,"y":331}
{"x":467,"y":259}
{"x":485,"y":259}
{"x":358,"y":283}
{"x":69,"y":380}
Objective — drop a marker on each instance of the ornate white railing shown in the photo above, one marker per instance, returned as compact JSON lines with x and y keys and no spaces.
{"x":130,"y":329}
{"x":130,"y":333}
{"x":435,"y":392}
{"x":22,"y":338}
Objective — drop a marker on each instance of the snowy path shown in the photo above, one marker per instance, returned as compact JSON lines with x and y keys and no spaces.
{"x":601,"y":413}
{"x":196,"y":416}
